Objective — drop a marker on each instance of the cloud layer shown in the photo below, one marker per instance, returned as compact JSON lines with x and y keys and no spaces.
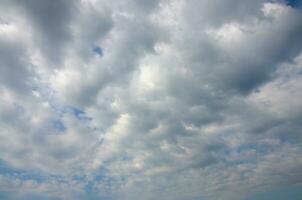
{"x":132,"y":99}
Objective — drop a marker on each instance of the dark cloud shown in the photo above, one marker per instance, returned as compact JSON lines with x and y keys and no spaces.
{"x":51,"y":22}
{"x":14,"y":70}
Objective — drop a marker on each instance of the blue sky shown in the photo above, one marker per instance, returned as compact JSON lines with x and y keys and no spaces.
{"x":294,"y":3}
{"x":148,"y":100}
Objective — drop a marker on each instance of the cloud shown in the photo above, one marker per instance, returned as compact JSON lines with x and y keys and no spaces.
{"x":149,"y":99}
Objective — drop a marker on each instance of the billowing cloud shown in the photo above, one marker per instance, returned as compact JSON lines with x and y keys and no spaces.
{"x":150,"y":99}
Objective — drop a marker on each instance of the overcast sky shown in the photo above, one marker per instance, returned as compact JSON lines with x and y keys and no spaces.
{"x":150,"y":100}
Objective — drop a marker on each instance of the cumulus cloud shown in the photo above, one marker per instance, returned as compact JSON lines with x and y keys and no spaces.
{"x":150,"y":99}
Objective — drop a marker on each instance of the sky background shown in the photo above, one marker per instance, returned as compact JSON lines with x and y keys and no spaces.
{"x":150,"y":99}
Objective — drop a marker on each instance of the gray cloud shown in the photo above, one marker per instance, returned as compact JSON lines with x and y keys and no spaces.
{"x":50,"y":22}
{"x":188,"y":99}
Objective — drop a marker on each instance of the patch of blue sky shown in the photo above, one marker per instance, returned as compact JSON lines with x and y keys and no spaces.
{"x":46,"y":94}
{"x":91,"y":192}
{"x":58,"y":125}
{"x":97,"y":50}
{"x":24,"y":175}
{"x":59,"y":109}
{"x":10,"y":172}
{"x":294,"y":3}
{"x":100,"y":176}
{"x":78,"y":113}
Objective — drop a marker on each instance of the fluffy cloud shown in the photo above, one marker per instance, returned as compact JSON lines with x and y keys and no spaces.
{"x":149,"y":99}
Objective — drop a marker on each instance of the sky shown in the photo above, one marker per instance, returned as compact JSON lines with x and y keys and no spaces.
{"x":150,"y":99}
